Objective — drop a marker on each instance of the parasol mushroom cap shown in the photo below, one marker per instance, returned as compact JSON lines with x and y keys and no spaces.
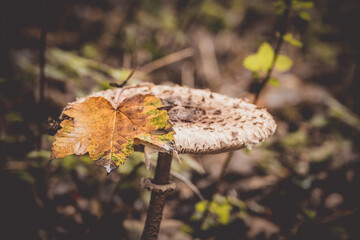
{"x":204,"y":122}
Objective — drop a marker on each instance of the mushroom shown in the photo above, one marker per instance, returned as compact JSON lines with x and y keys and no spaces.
{"x":204,"y":123}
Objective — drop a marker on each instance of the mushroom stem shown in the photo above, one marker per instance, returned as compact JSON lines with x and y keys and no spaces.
{"x":157,"y":201}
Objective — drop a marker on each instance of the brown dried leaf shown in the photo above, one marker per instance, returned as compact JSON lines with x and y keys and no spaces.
{"x":108,"y":134}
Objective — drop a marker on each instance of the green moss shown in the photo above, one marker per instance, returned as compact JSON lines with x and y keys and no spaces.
{"x":129,"y":147}
{"x":166,"y":137}
{"x":118,"y":159}
{"x":160,"y":120}
{"x":126,"y":151}
{"x":156,"y":103}
{"x":153,"y":112}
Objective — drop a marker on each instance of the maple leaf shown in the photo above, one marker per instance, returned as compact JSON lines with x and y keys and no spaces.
{"x":108,"y":134}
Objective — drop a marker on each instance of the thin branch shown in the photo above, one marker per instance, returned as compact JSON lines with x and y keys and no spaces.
{"x":223,"y":170}
{"x":41,"y":86}
{"x":336,"y":216}
{"x":280,"y":41}
{"x":221,"y":176}
{"x":188,"y":183}
{"x":120,"y":85}
{"x":42,"y":65}
{"x":167,"y":60}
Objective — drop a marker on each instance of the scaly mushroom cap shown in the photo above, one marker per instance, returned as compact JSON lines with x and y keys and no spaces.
{"x":204,"y":122}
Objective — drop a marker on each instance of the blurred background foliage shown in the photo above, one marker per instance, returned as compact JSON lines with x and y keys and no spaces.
{"x":301,"y":184}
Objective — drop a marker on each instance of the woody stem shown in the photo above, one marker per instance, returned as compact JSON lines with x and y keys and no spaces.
{"x":157,"y":201}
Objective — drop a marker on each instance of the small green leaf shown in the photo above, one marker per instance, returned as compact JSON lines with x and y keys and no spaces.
{"x":279,"y":7}
{"x":274,"y":82}
{"x":222,"y":210}
{"x":309,"y":214}
{"x":305,"y":15}
{"x":14,"y":117}
{"x":265,"y":55}
{"x":26,"y":177}
{"x":283,"y":63}
{"x":39,"y":154}
{"x":89,"y":50}
{"x":288,"y":37}
{"x":201,"y":206}
{"x":303,"y":5}
{"x":262,"y":60}
{"x":252,"y":62}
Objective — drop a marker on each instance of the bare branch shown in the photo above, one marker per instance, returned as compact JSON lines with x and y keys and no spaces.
{"x":167,"y":60}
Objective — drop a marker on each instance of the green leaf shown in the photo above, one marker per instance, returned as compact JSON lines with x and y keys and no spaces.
{"x":260,"y":60}
{"x":222,"y":210}
{"x":201,"y":206}
{"x":283,"y":63}
{"x":303,"y":5}
{"x":89,"y":50}
{"x":274,"y":82}
{"x":288,"y":37}
{"x":252,"y":62}
{"x":305,"y":15}
{"x":14,"y":117}
{"x":265,"y":55}
{"x":39,"y":154}
{"x":279,"y":7}
{"x":26,"y":177}
{"x":309,"y":214}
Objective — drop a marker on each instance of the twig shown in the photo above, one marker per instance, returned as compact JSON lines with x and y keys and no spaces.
{"x":223,"y":170}
{"x":188,"y":183}
{"x":123,"y":84}
{"x":167,"y":60}
{"x":282,"y":30}
{"x":42,"y":83}
{"x":120,"y":85}
{"x":221,"y":176}
{"x":42,"y":65}
{"x":336,"y":216}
